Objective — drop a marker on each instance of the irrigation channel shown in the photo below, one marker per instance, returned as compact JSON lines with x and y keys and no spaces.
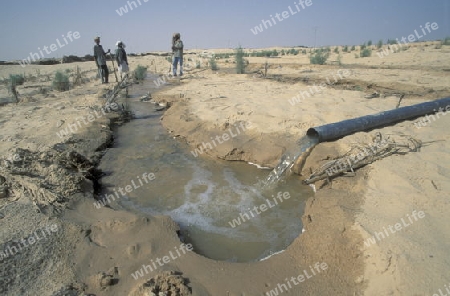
{"x":213,"y":201}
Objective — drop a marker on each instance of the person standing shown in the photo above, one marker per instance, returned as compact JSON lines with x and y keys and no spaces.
{"x":121,"y":58}
{"x":100,"y":60}
{"x":177,"y":49}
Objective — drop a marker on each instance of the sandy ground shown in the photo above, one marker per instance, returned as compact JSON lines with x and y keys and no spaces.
{"x":50,"y":179}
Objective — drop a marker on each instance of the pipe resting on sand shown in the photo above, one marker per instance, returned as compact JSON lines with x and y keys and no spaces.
{"x":334,"y":131}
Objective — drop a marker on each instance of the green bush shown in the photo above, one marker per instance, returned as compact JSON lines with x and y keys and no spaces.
{"x":369,"y":43}
{"x":336,"y":49}
{"x":16,"y":79}
{"x":391,"y":42}
{"x":319,"y":58}
{"x":363,"y":46}
{"x":380,"y":44}
{"x":353,"y":48}
{"x":213,"y":64}
{"x":446,"y":41}
{"x":345,"y":49}
{"x":140,"y":73}
{"x":197,"y":65}
{"x":61,"y":81}
{"x":366,"y":52}
{"x":240,"y":63}
{"x":304,"y":51}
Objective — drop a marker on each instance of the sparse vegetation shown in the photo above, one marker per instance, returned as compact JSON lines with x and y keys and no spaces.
{"x":197,"y":65}
{"x":353,"y":48}
{"x":366,"y":52}
{"x":16,"y":79}
{"x":380,"y":44}
{"x":336,"y":49}
{"x":240,"y":63}
{"x":363,"y":46}
{"x":345,"y":49}
{"x":140,"y":73}
{"x":319,"y":57}
{"x":61,"y":81}
{"x":391,"y":41}
{"x":369,"y":43}
{"x":213,"y":64}
{"x":446,"y":41}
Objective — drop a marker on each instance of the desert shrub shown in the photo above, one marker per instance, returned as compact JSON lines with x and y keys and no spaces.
{"x":283,"y":52}
{"x":363,"y":46}
{"x":240,"y":63}
{"x":391,"y":41}
{"x":197,"y":65}
{"x":169,"y":59}
{"x":336,"y":49}
{"x":446,"y":41}
{"x":60,"y":81}
{"x":213,"y":64}
{"x":369,"y":43}
{"x":353,"y":48}
{"x":380,"y":44}
{"x":16,"y":79}
{"x":366,"y":52}
{"x":339,"y":59}
{"x":140,"y":73}
{"x":319,"y":57}
{"x":304,"y":51}
{"x":345,"y":49}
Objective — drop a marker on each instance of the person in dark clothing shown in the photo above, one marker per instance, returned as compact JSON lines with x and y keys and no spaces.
{"x":121,"y":58}
{"x":177,"y":49}
{"x":100,"y":60}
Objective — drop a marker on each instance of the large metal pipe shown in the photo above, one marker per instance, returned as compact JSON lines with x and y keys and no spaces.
{"x":334,"y":131}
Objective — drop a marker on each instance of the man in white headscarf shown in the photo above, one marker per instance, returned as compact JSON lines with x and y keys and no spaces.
{"x":121,"y":58}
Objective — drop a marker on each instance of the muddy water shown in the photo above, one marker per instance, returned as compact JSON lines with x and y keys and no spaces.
{"x":201,"y":194}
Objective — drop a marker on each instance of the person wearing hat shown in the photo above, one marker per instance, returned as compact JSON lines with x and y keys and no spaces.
{"x":177,"y":49}
{"x":121,"y":58}
{"x":100,"y":60}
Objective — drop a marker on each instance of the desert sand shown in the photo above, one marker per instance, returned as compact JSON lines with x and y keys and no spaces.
{"x":48,"y":179}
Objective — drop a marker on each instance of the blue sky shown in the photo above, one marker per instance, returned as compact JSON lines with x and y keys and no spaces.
{"x":27,"y":25}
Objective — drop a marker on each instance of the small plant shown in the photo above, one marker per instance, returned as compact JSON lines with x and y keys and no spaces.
{"x":213,"y":64}
{"x":345,"y":49}
{"x":391,"y":41}
{"x":240,"y":63}
{"x":363,"y":46}
{"x":283,"y":52}
{"x":169,"y":59}
{"x":319,"y":58}
{"x":61,"y":81}
{"x":336,"y":49}
{"x":446,"y":41}
{"x":380,"y":44}
{"x":16,"y":79}
{"x":353,"y":48}
{"x":304,"y":51}
{"x":197,"y":65}
{"x":369,"y":43}
{"x":366,"y":52}
{"x":140,"y":73}
{"x":339,"y":59}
